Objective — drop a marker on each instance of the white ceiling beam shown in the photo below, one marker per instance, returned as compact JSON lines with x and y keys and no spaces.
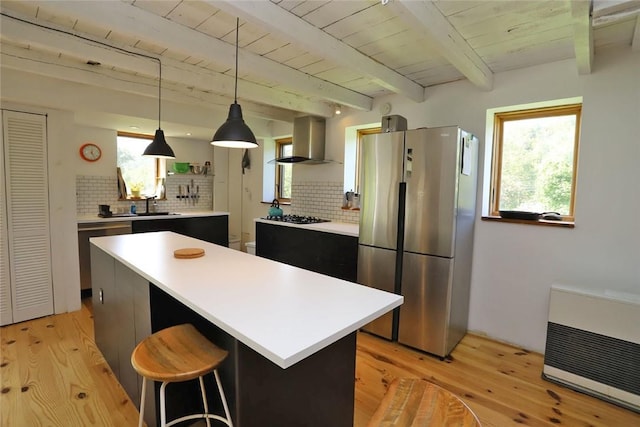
{"x":582,"y":34}
{"x":135,"y":22}
{"x":613,"y":7}
{"x":281,"y":21}
{"x":172,"y":70}
{"x":427,"y":19}
{"x":38,"y":63}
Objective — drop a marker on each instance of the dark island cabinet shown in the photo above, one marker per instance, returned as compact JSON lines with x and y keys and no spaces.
{"x":335,"y":255}
{"x":213,"y":229}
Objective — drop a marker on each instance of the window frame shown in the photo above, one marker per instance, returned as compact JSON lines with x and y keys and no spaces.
{"x":280,"y":142}
{"x":360,"y":134}
{"x":160,"y":164}
{"x":496,"y":167}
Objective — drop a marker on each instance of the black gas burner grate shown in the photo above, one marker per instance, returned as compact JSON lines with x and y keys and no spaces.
{"x":297,"y":219}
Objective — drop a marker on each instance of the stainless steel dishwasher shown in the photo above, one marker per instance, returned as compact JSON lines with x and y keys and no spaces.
{"x":95,"y":229}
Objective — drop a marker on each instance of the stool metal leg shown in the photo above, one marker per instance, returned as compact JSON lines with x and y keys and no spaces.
{"x":163,"y":414}
{"x":204,"y":400}
{"x":223,"y":397}
{"x":142,"y":400}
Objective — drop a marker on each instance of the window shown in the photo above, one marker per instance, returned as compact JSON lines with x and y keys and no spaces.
{"x":535,"y":160}
{"x":284,"y":173}
{"x":362,"y":133}
{"x":139,"y":173}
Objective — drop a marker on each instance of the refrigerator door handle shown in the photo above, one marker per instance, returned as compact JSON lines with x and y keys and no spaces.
{"x":408,"y":163}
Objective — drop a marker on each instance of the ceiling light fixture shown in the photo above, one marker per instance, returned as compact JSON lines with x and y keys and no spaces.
{"x":159,"y":147}
{"x":234,"y":133}
{"x":338,"y":110}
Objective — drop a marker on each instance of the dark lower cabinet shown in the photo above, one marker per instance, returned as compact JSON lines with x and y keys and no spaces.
{"x":213,"y":229}
{"x":335,"y":255}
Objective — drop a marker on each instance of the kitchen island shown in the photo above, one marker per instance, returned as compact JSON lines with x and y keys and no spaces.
{"x":291,"y":333}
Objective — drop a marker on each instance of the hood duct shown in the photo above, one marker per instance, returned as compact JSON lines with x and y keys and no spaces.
{"x":308,"y":141}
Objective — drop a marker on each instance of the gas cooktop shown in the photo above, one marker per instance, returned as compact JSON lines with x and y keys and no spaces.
{"x":296,"y":219}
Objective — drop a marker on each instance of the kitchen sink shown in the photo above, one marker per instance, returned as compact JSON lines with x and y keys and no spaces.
{"x":155,"y":213}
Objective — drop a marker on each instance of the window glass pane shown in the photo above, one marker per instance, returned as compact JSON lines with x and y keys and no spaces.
{"x":138,"y":172}
{"x":537,"y":164}
{"x":286,"y":172}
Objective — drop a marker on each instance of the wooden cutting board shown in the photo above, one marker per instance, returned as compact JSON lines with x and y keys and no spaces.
{"x":188,"y":253}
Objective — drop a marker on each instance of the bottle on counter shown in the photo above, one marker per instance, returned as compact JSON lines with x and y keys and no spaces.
{"x":133,"y":208}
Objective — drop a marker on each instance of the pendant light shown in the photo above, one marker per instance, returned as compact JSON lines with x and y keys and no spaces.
{"x":159,"y":147}
{"x":234,"y":133}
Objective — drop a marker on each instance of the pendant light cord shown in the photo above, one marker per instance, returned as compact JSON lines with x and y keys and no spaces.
{"x":235,"y":93}
{"x":159,"y":91}
{"x":69,"y":33}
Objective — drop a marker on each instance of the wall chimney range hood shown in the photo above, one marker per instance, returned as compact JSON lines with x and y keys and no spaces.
{"x":308,"y":141}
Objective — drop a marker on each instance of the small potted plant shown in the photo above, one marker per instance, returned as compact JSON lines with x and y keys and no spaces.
{"x":136,"y":188}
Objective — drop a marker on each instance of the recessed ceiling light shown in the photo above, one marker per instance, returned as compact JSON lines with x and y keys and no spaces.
{"x":188,"y":133}
{"x":134,"y":127}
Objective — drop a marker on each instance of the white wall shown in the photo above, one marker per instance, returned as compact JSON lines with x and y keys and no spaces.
{"x":515,"y":265}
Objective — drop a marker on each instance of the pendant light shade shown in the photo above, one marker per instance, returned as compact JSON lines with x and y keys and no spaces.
{"x":159,"y":147}
{"x":234,"y":133}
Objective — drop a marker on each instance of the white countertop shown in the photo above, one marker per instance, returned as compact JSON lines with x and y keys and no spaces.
{"x":283,"y":312}
{"x":348,"y":229}
{"x":83,"y":219}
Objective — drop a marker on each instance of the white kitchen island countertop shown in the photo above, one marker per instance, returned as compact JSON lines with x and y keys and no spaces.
{"x":282,"y":312}
{"x":348,"y":229}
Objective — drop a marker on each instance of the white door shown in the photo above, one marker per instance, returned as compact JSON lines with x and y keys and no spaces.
{"x":27,"y":216}
{"x":6,"y":314}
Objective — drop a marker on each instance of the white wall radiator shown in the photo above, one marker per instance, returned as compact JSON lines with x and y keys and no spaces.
{"x":593,"y":344}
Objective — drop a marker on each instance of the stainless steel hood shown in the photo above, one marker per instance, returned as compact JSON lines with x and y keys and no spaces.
{"x":308,"y":141}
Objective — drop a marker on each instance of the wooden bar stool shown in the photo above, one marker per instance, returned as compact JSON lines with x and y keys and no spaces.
{"x":176,"y":354}
{"x":411,"y":402}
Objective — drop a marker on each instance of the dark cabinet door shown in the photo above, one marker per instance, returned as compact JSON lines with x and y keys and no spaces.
{"x":214,"y":229}
{"x":335,"y":255}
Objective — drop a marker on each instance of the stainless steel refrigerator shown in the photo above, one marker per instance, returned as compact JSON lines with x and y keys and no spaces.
{"x":417,"y":209}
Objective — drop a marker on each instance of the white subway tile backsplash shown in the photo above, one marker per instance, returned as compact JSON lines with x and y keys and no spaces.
{"x":321,"y":199}
{"x":92,"y":191}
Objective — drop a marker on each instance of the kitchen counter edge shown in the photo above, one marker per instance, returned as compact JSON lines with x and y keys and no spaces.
{"x":84,"y":219}
{"x":345,"y":228}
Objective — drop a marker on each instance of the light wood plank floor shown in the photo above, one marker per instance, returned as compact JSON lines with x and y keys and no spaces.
{"x":53,"y":375}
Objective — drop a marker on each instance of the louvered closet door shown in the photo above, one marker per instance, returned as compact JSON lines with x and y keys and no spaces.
{"x":26,"y":183}
{"x":6,"y":315}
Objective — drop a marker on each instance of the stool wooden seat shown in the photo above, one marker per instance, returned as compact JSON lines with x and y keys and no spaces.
{"x":176,"y":354}
{"x":411,"y":402}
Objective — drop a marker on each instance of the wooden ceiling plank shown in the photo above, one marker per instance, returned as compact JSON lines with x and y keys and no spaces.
{"x":582,"y":35}
{"x":366,"y":19}
{"x":329,"y":13}
{"x":533,"y":28}
{"x":47,"y":66}
{"x":172,"y":71}
{"x":279,"y":20}
{"x":162,"y":8}
{"x":130,"y":20}
{"x":191,"y":14}
{"x":426,"y":18}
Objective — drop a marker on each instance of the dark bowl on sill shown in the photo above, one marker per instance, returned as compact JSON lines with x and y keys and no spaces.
{"x":529,"y":216}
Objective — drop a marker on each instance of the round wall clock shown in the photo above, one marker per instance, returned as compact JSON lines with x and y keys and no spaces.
{"x":90,"y":152}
